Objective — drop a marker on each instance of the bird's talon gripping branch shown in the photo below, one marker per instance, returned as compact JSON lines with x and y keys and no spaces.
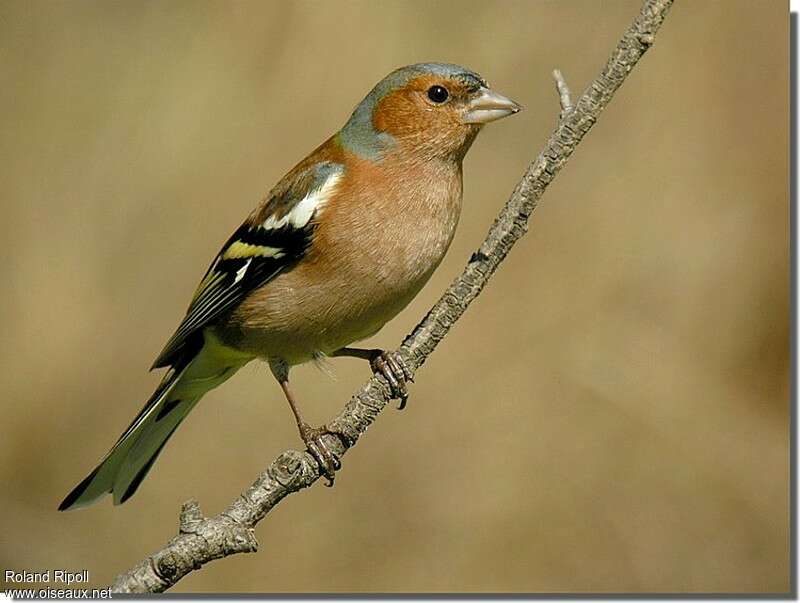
{"x":393,"y":368}
{"x":327,"y":460}
{"x":390,"y":365}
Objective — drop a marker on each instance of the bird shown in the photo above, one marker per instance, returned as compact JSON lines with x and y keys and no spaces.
{"x":338,"y":247}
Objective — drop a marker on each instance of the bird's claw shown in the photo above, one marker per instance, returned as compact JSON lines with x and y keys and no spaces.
{"x":394,"y":369}
{"x":327,"y":460}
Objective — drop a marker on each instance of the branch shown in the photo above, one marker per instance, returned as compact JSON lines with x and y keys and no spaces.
{"x":564,"y":96}
{"x":201,"y":539}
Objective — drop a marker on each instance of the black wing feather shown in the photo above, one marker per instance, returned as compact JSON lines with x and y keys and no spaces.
{"x":224,"y":286}
{"x":239,"y":269}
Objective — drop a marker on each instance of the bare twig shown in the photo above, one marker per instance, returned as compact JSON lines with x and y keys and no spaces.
{"x":200,"y":539}
{"x":564,"y":96}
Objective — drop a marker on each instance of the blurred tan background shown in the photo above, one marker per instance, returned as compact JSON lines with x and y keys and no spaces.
{"x":610,"y":415}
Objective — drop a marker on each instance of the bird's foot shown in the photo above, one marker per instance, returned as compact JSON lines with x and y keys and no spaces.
{"x":394,"y":369}
{"x":327,"y":460}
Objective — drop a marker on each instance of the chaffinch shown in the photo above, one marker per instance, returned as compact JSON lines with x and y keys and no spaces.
{"x":341,"y":244}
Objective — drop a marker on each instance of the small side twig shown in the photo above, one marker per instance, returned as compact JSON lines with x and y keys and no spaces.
{"x":203,"y":539}
{"x":564,"y":95}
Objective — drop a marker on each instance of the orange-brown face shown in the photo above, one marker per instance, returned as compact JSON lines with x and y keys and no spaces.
{"x":427,"y":115}
{"x":423,"y":112}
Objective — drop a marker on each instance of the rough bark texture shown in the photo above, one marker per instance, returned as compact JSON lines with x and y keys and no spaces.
{"x":201,"y":539}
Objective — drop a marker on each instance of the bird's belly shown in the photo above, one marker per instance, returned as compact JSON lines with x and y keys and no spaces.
{"x":298,"y":315}
{"x":362,"y":269}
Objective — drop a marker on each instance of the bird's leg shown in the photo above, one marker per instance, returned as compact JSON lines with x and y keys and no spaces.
{"x":312,"y":436}
{"x":389,"y":364}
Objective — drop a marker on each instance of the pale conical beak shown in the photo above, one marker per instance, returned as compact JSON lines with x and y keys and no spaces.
{"x":488,"y":106}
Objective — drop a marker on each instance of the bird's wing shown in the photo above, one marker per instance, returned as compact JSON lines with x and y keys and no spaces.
{"x":272,"y":240}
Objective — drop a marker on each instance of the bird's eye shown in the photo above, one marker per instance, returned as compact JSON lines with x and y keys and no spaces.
{"x":438,"y":94}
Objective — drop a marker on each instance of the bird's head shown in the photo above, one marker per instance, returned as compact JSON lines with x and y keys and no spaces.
{"x":424,"y":111}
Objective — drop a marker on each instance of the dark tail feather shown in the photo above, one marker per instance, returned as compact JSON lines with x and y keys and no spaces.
{"x":101,"y":481}
{"x":77,"y":491}
{"x":127,"y":463}
{"x":139,"y":477}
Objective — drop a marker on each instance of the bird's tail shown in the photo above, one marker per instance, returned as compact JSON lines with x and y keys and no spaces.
{"x":127,"y":463}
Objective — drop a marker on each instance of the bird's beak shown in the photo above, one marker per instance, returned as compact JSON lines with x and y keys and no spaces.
{"x":488,"y":106}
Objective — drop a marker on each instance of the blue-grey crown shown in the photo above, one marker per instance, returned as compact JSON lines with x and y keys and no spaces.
{"x":361,"y":137}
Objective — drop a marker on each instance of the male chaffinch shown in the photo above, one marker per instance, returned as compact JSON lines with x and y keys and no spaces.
{"x":341,"y":244}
